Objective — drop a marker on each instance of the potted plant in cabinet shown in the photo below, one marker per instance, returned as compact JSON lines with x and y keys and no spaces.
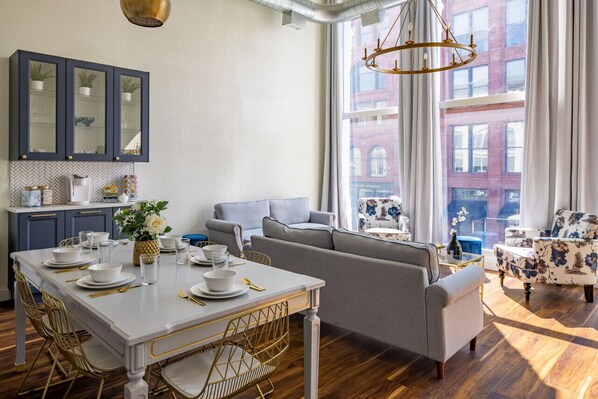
{"x":37,"y":76}
{"x":129,"y":86}
{"x":86,"y":80}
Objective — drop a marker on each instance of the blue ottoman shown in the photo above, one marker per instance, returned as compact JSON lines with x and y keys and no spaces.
{"x":195,"y":238}
{"x":470,"y":244}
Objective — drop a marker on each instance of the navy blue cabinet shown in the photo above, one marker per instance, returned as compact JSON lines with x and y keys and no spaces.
{"x":88,"y":219}
{"x":77,"y":110}
{"x":40,"y":230}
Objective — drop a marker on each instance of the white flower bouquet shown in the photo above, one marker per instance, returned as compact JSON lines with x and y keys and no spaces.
{"x":461,"y":216}
{"x":142,"y":221}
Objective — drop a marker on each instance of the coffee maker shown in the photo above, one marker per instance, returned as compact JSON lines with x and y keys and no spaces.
{"x":78,"y":190}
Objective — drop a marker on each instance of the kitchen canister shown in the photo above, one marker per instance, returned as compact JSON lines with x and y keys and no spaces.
{"x":46,"y":195}
{"x":31,"y":196}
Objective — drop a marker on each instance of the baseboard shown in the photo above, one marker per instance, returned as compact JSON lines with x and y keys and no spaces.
{"x":5,"y":294}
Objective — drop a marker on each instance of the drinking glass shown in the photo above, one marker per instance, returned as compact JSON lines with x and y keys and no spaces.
{"x":220,"y":261}
{"x":182,"y":250}
{"x":149,"y":268}
{"x":105,"y":249}
{"x":86,"y":240}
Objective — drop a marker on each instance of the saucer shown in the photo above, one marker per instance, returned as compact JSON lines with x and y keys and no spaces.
{"x":166,"y":250}
{"x":84,"y":282}
{"x":202,"y":290}
{"x":123,"y":276}
{"x":57,"y":265}
{"x":201,"y":260}
{"x":95,"y":246}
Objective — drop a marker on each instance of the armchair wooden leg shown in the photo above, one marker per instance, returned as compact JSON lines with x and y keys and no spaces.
{"x":439,"y":370}
{"x":527,"y":290}
{"x":472,"y":343}
{"x":501,"y":276}
{"x":588,"y":290}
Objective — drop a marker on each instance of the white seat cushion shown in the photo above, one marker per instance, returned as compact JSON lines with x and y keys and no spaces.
{"x":518,"y":261}
{"x":189,"y":375}
{"x":99,"y":356}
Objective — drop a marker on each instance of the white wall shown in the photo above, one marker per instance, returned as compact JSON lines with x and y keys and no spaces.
{"x":236,"y":100}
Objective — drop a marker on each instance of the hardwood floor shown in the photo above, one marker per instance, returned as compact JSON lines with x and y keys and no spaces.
{"x":545,"y":349}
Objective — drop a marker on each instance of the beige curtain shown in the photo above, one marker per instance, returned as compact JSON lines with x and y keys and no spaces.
{"x":561,"y":126}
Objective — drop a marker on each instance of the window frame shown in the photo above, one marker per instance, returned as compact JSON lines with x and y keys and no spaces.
{"x":470,"y":82}
{"x":507,"y":62}
{"x":507,"y":147}
{"x":383,"y":159}
{"x":470,"y":148}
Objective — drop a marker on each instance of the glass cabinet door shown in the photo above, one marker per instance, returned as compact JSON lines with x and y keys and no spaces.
{"x":40,"y":105}
{"x":89,"y":111}
{"x":131,"y":115}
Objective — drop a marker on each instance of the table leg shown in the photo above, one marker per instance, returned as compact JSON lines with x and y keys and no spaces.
{"x":20,"y":364}
{"x":484,"y":270}
{"x":311,"y":352}
{"x":136,"y":388}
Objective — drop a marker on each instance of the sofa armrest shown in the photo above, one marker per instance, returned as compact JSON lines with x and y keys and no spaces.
{"x":447,"y":290}
{"x":522,"y":236}
{"x":363,"y":223}
{"x":567,"y":260}
{"x":320,"y":217}
{"x":226,"y":233}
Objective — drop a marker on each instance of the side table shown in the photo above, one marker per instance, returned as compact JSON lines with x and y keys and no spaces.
{"x":466,"y":259}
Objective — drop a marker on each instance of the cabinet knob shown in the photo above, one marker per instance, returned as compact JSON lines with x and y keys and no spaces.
{"x":70,"y":157}
{"x":117,"y":158}
{"x":23,"y":156}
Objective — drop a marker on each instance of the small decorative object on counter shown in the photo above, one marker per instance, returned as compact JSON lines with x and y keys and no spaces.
{"x":454,"y":248}
{"x":31,"y":196}
{"x":110,"y":194}
{"x":46,"y":195}
{"x":130,"y":187}
{"x":123,"y":198}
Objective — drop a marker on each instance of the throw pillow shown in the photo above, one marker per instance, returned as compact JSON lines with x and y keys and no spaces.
{"x":315,"y":237}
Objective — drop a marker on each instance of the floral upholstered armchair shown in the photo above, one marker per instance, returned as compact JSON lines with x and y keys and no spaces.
{"x":566,"y":254}
{"x":383,"y":218}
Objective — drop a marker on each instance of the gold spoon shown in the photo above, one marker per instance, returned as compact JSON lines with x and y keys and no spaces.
{"x":85,"y":267}
{"x":184,"y":295}
{"x":253,"y":286}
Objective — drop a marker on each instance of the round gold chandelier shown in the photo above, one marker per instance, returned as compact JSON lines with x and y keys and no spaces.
{"x":411,"y":50}
{"x":146,"y":13}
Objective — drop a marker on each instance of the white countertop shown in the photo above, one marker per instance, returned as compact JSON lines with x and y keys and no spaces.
{"x":66,"y":207}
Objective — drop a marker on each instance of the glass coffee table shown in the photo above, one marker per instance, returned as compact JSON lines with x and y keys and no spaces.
{"x":465,"y":259}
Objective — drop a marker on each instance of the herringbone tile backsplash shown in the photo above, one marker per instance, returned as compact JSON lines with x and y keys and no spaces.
{"x":54,"y":174}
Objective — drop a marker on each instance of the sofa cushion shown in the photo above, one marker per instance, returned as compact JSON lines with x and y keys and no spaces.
{"x":316,"y":237}
{"x":290,"y":211}
{"x":248,"y":214}
{"x":251,"y":232}
{"x":414,"y":253}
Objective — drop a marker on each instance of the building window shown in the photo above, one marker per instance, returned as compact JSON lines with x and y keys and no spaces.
{"x":365,"y":79}
{"x":514,"y":147}
{"x":512,"y":196}
{"x":378,"y":162}
{"x":470,"y":194}
{"x":516,"y":22}
{"x":380,"y":119}
{"x":476,"y":22}
{"x":516,"y":75}
{"x":355,"y":162}
{"x":470,"y":148}
{"x":470,"y":82}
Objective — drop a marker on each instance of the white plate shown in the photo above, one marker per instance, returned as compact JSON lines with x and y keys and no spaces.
{"x":83,"y":284}
{"x":201,"y":260}
{"x":196,"y":290}
{"x":95,"y":246}
{"x":58,"y":265}
{"x":237,"y":287}
{"x":122,"y":277}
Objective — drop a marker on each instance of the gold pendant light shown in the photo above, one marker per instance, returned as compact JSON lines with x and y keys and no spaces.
{"x":386,"y":60}
{"x":146,"y":13}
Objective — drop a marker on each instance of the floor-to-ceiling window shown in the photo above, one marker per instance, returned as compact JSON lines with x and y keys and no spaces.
{"x":481,"y":116}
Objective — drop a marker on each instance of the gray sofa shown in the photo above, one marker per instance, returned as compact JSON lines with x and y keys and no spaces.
{"x":235,"y":222}
{"x":387,"y":290}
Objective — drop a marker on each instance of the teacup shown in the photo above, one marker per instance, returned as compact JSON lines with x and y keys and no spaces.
{"x":219,"y":280}
{"x":210,"y":251}
{"x":104,"y":272}
{"x":66,"y":255}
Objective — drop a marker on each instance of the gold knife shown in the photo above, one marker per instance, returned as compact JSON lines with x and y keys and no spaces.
{"x":114,"y":291}
{"x":72,"y":269}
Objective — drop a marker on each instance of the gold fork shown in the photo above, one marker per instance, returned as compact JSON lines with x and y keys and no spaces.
{"x":72,"y":269}
{"x":184,"y":295}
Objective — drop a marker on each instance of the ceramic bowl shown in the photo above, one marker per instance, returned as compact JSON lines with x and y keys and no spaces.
{"x":219,"y":280}
{"x":66,"y":255}
{"x":100,"y":236}
{"x":169,"y":240}
{"x":87,"y":120}
{"x":210,"y":251}
{"x":104,"y":272}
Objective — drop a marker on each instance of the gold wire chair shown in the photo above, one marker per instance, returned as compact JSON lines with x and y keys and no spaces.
{"x":257,"y":257}
{"x":89,"y":358}
{"x":40,"y":322}
{"x":202,"y":244}
{"x":250,"y":351}
{"x":69,"y":242}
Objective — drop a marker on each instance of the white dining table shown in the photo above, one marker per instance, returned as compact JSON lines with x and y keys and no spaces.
{"x":151,"y":323}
